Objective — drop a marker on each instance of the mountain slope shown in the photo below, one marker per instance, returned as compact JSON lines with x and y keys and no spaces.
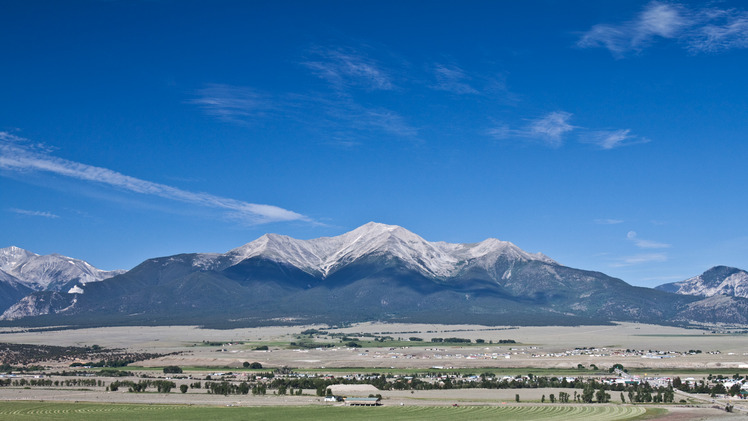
{"x":719,"y":280}
{"x":11,"y":290}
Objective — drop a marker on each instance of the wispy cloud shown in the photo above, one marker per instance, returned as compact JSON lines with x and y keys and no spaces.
{"x":639,"y":259}
{"x":245,"y":105}
{"x":27,"y":212}
{"x":611,"y":139}
{"x":236,"y":104}
{"x":17,"y":155}
{"x":656,"y":20}
{"x":346,"y":67}
{"x":645,"y":244}
{"x":698,"y":30}
{"x":549,"y":129}
{"x":452,"y":78}
{"x":349,"y":115}
{"x":553,"y":128}
{"x":725,"y":30}
{"x":669,"y":278}
{"x":608,"y":221}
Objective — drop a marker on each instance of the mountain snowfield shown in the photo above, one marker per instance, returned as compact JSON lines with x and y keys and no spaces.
{"x":719,"y":280}
{"x":50,"y":272}
{"x":321,"y":256}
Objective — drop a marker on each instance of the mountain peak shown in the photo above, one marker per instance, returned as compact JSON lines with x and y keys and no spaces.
{"x":378,"y":226}
{"x":372,"y":229}
{"x":12,"y":256}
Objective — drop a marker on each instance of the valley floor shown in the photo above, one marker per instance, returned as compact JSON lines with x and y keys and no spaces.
{"x":647,"y":351}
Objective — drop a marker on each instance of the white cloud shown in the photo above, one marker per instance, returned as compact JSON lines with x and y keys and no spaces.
{"x":346,"y":67}
{"x":608,"y":221}
{"x":642,"y":258}
{"x":659,"y":19}
{"x":452,"y":79}
{"x":42,"y":214}
{"x":552,"y":126}
{"x":549,"y":129}
{"x":611,"y":139}
{"x":705,"y":29}
{"x":17,"y":156}
{"x":656,"y":20}
{"x":645,"y":244}
{"x":236,"y":104}
{"x":730,"y":31}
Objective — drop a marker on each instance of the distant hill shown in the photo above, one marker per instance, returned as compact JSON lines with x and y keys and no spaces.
{"x":375,"y":272}
{"x":719,"y":280}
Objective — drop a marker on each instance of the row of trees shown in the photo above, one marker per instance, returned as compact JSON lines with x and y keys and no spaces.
{"x":636,"y":394}
{"x":50,"y":383}
{"x":162,"y":386}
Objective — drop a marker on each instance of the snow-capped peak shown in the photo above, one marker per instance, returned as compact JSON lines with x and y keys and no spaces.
{"x":719,"y":280}
{"x":13,"y":256}
{"x":323,"y":255}
{"x":48,"y":272}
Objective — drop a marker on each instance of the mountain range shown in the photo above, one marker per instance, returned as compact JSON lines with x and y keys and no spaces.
{"x":375,"y":272}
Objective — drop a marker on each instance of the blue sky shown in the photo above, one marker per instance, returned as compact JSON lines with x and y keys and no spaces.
{"x":610,"y":136}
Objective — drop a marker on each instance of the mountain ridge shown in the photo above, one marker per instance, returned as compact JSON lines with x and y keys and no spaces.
{"x":322,"y":255}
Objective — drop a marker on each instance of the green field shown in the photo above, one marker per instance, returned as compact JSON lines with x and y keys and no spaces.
{"x":115,"y":412}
